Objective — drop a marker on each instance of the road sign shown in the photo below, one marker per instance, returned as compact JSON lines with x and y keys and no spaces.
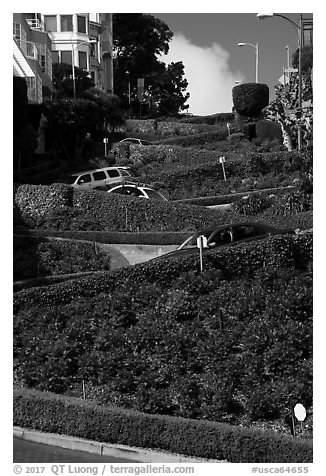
{"x":300,"y":412}
{"x":222,"y":161}
{"x":291,"y":70}
{"x":105,"y":140}
{"x":202,"y":241}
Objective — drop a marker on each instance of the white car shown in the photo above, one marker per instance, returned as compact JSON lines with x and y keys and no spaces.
{"x":98,"y":177}
{"x":137,"y":190}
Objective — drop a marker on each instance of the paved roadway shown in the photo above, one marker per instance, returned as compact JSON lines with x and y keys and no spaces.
{"x":30,"y":452}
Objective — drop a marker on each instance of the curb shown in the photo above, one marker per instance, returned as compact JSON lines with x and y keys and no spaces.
{"x":105,"y":449}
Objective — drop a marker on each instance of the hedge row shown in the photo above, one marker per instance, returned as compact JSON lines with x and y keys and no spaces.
{"x":39,"y":257}
{"x":199,"y":138}
{"x":238,"y":261}
{"x":62,"y":207}
{"x":52,"y":413}
{"x":47,"y":280}
{"x":211,"y":119}
{"x":116,"y":237}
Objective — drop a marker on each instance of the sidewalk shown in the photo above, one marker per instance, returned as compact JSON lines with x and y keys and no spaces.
{"x":139,"y":455}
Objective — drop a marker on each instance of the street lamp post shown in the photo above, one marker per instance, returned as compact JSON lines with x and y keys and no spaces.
{"x":129,"y":98}
{"x":256,"y":48}
{"x":298,"y":27}
{"x":73,"y":48}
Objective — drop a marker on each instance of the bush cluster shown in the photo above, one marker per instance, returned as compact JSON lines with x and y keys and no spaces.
{"x":52,"y":413}
{"x":189,"y":172}
{"x":162,"y":338}
{"x":39,"y":257}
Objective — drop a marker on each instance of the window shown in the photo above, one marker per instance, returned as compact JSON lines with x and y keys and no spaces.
{"x":81,"y":24}
{"x":134,"y":192}
{"x":66,"y":57}
{"x":16,"y":30}
{"x":92,"y":49}
{"x":113,"y":173}
{"x":247,"y":231}
{"x":66,"y":23}
{"x":99,"y":175}
{"x":82,"y":59}
{"x":154,"y":194}
{"x":50,"y":22}
{"x":220,"y":238}
{"x":84,"y":179}
{"x":55,"y":57}
{"x":125,"y":173}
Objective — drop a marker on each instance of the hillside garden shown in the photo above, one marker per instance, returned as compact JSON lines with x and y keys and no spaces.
{"x":231,"y":345}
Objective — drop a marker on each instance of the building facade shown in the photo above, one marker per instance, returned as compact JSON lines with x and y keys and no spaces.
{"x":32,"y":56}
{"x":83,"y":40}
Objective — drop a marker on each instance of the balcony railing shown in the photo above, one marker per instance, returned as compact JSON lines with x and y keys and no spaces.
{"x":35,"y":24}
{"x":29,"y":48}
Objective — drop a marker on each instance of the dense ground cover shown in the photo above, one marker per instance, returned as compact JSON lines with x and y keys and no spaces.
{"x":163,"y":338}
{"x":232,"y":344}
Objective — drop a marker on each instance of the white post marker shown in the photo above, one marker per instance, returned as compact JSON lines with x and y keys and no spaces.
{"x":300,"y":413}
{"x":228,"y":126}
{"x":222,"y":161}
{"x":105,"y":141}
{"x":201,"y":243}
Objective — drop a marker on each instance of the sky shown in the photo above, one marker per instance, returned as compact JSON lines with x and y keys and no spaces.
{"x":207,"y":44}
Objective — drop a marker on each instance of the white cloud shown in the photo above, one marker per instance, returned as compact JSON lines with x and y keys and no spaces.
{"x":207,"y":71}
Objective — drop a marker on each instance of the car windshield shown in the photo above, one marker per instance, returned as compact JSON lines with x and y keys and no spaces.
{"x":154,"y":194}
{"x":190,"y":242}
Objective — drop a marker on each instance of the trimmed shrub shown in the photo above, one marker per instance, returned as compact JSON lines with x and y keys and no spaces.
{"x":252,"y":205}
{"x":55,"y":414}
{"x":147,"y":238}
{"x":249,"y":99}
{"x":62,"y":207}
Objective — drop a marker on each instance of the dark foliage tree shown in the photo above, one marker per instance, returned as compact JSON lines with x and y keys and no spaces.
{"x":306,"y":60}
{"x":138,"y":41}
{"x":63,"y":80}
{"x":71,"y":120}
{"x":110,"y":111}
{"x":167,"y":94}
{"x":24,"y":134}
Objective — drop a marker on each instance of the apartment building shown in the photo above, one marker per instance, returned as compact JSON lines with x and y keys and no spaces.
{"x":85,"y":41}
{"x":32,"y":57}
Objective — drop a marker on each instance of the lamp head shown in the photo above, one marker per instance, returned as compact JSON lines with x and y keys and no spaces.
{"x":241,"y":44}
{"x":262,"y":16}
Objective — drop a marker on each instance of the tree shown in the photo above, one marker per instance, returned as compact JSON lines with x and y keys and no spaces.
{"x":110,"y":112}
{"x":24,"y":134}
{"x":71,"y":120}
{"x":63,"y":82}
{"x":285,"y":108}
{"x":306,"y":59}
{"x":167,"y":93}
{"x":138,"y":41}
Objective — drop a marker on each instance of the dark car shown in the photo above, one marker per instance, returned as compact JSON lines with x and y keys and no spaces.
{"x":227,"y":235}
